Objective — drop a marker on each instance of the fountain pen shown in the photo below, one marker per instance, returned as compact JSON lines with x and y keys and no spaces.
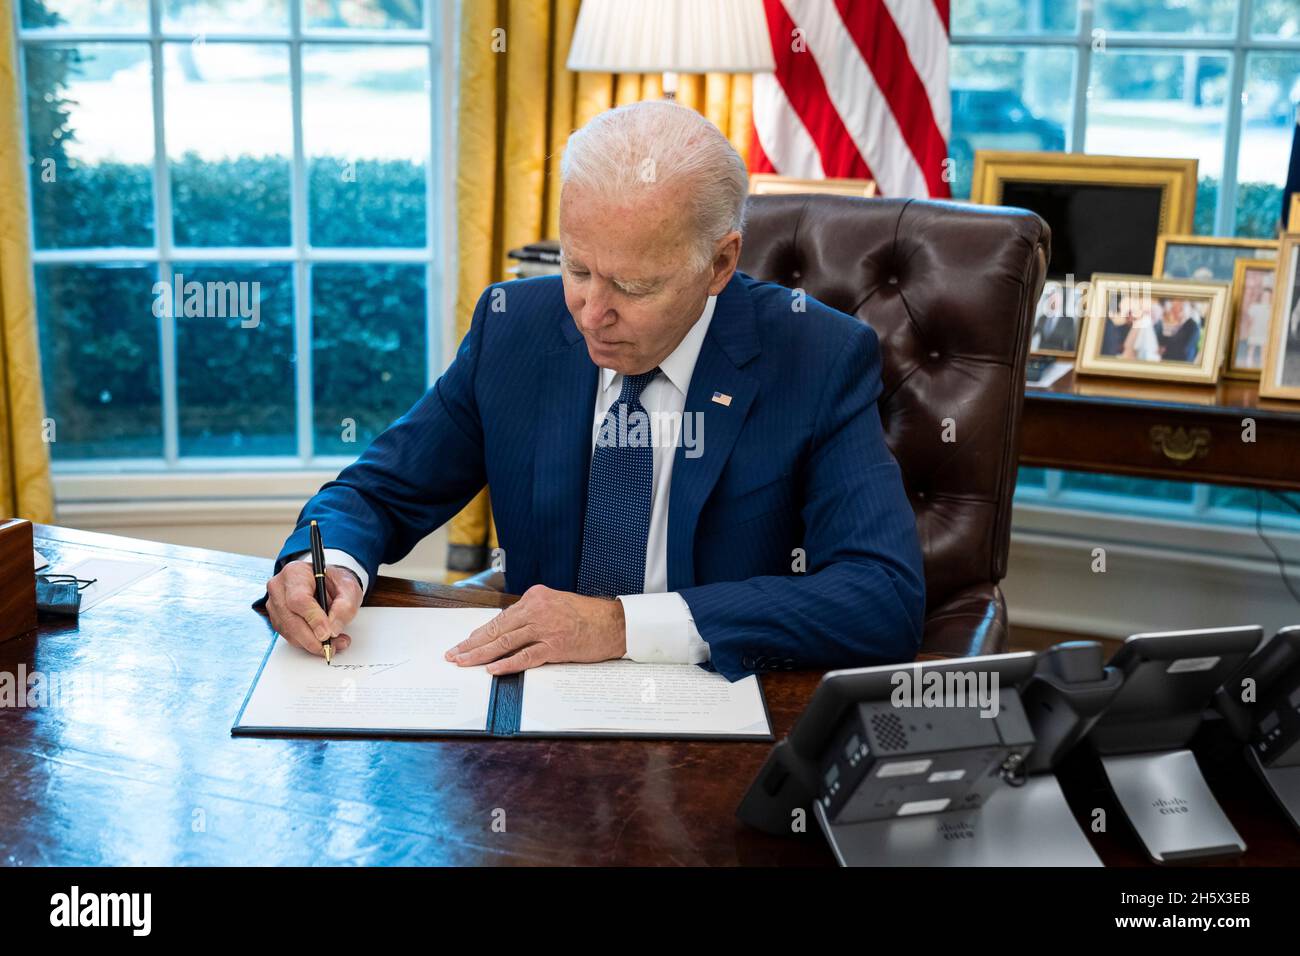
{"x":318,"y":568}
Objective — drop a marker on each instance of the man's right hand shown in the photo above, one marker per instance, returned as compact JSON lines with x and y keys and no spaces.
{"x":291,"y":605}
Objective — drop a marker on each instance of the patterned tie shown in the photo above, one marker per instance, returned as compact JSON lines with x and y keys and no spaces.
{"x":619,"y":491}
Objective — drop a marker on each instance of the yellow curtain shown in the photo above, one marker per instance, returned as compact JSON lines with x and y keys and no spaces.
{"x":518,"y":105}
{"x":25,"y":490}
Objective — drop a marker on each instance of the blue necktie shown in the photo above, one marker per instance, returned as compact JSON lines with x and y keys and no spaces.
{"x":619,"y":493}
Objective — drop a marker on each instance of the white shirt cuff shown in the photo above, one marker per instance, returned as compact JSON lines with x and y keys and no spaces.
{"x":341,"y":559}
{"x":661,"y":630}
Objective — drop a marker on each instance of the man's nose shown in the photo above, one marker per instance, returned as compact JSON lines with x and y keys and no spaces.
{"x":596,"y":312}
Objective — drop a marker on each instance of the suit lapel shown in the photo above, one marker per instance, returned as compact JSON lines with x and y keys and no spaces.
{"x":731,"y":342}
{"x":563,"y":458}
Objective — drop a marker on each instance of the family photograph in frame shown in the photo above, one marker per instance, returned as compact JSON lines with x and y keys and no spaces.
{"x":1253,"y":284}
{"x":1207,"y":258}
{"x":1169,"y":330}
{"x":1057,"y":319}
{"x":1280,"y":377}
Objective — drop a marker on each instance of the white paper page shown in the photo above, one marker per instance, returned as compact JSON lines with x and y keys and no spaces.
{"x":38,"y":560}
{"x":111,"y":576}
{"x":1049,"y":377}
{"x":392,"y":677}
{"x":676,"y":699}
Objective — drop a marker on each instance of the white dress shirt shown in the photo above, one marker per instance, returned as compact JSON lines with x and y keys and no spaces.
{"x":658,"y":623}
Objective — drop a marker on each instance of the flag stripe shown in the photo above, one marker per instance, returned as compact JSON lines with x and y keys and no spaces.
{"x":858,"y":99}
{"x":860,"y":90}
{"x":941,"y":8}
{"x":884,"y":51}
{"x":784,"y":142}
{"x":926,"y":35}
{"x":806,"y":92}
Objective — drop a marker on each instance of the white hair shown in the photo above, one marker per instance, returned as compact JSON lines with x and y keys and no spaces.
{"x":658,"y":142}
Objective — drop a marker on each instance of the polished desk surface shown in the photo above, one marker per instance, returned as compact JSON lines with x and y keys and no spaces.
{"x":1162,"y":430}
{"x":151,"y":775}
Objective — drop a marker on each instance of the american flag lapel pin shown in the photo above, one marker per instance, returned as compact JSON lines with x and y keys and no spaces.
{"x":721,"y":399}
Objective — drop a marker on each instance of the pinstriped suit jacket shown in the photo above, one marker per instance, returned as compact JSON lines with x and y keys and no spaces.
{"x":797,"y":460}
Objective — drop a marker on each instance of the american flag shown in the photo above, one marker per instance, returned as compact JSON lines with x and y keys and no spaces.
{"x":860,"y":90}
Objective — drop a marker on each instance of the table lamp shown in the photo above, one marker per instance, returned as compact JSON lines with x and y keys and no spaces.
{"x":671,"y":37}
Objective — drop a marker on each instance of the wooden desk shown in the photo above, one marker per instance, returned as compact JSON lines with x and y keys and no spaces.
{"x":151,"y":774}
{"x":1153,"y":430}
{"x":127,"y":782}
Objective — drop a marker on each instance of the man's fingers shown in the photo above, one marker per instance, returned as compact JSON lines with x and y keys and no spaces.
{"x":532,"y":655}
{"x":345,"y":598}
{"x":493,"y":630}
{"x":300,"y":598}
{"x":506,"y":643}
{"x":294,"y":629}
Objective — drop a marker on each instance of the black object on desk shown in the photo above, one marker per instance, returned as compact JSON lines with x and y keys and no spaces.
{"x":322,"y":595}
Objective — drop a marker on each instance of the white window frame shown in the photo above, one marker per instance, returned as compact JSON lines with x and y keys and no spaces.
{"x":172,"y":473}
{"x":1237,"y":45}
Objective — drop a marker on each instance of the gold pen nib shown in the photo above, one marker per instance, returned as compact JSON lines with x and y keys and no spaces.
{"x":329,"y":653}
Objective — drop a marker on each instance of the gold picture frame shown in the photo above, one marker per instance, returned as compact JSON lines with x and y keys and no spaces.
{"x":1242,"y":248}
{"x":1174,"y":178}
{"x":770,"y":184}
{"x":1293,"y":214}
{"x":1282,"y":344}
{"x":1238,"y":306}
{"x":1102,"y":340}
{"x":1071,"y":309}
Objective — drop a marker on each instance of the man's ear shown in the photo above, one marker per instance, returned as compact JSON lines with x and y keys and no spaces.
{"x":725,"y":260}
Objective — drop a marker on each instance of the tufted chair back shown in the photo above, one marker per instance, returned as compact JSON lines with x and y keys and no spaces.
{"x":951,"y":291}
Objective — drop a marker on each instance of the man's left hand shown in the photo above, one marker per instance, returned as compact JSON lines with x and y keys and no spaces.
{"x":546,"y":627}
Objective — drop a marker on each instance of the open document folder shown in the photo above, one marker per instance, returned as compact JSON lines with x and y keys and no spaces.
{"x":393,"y":680}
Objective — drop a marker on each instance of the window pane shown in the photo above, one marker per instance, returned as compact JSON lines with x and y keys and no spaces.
{"x":226,"y":16}
{"x":366,"y":133}
{"x":1123,"y":487}
{"x":1005,"y":98}
{"x":86,"y":13}
{"x":99,"y":360}
{"x":1163,"y":104}
{"x":90,"y":137}
{"x":241,"y":89}
{"x":1247,"y":499}
{"x":1167,"y":16}
{"x":1267,"y":127}
{"x":368,"y":350}
{"x":1277,"y":18}
{"x":363,"y":14}
{"x":234,"y":357}
{"x":1014,"y":16}
{"x":1031,"y":478}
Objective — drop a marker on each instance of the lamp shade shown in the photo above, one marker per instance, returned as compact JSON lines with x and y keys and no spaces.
{"x":671,"y":36}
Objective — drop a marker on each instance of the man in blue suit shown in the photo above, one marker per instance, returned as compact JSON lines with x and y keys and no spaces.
{"x":686,"y":465}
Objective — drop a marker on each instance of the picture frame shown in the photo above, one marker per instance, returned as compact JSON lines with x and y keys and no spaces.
{"x":1293,"y":214}
{"x":1251,"y":311}
{"x":1133,"y":323}
{"x":768,"y":184}
{"x":1280,"y":377}
{"x":1057,"y":320}
{"x":1207,"y":258}
{"x":1106,"y":212}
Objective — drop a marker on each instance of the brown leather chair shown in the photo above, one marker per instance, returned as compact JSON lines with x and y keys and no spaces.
{"x":951,"y":291}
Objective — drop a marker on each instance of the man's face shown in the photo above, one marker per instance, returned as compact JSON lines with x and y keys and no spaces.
{"x":628,"y":278}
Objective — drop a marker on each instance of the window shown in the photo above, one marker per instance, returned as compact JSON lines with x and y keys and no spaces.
{"x":1218,"y":80}
{"x":233,"y":221}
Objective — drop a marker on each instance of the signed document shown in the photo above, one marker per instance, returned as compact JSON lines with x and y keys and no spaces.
{"x":393,"y":680}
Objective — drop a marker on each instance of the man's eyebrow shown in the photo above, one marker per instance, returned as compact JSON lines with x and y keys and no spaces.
{"x":638,"y":285}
